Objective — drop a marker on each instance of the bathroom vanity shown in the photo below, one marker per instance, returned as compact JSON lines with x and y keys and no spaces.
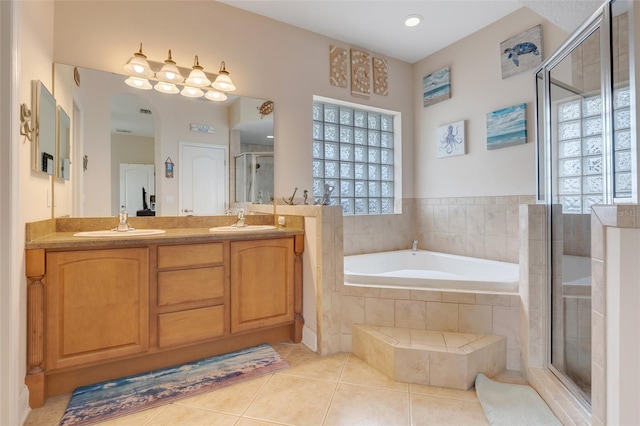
{"x":103,"y":308}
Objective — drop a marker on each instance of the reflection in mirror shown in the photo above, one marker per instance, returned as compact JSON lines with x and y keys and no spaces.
{"x":116,"y":121}
{"x":44,"y":143}
{"x":64,"y":145}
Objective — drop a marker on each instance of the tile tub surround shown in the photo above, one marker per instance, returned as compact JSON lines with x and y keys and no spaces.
{"x":405,"y":355}
{"x":482,"y":227}
{"x":494,"y":314}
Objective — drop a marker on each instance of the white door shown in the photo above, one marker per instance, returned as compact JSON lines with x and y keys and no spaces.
{"x":202,"y":171}
{"x":134,"y":177}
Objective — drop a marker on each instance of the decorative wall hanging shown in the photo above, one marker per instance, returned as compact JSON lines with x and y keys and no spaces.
{"x":522,"y":52}
{"x":168,"y":168}
{"x":360,"y":73}
{"x":380,"y":77}
{"x":267,"y":108}
{"x":436,"y":87}
{"x":507,"y":127}
{"x":338,"y":64}
{"x":451,"y":140}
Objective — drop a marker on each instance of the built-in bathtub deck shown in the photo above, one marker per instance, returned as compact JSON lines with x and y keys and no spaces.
{"x":436,"y":358}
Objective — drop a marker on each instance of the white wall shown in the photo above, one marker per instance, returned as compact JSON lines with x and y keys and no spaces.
{"x":477,"y":88}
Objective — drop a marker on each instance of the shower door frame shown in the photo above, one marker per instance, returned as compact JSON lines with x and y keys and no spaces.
{"x":601,"y":20}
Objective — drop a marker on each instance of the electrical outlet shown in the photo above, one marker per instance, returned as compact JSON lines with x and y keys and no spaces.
{"x":281,"y":220}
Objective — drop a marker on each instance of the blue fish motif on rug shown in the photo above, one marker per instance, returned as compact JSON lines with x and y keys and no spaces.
{"x":116,"y":398}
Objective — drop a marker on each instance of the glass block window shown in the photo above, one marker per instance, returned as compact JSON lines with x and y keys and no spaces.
{"x":580,"y":154}
{"x":580,"y":181}
{"x":353,"y":152}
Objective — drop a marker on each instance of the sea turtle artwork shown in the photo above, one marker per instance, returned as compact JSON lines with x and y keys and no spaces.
{"x":521,"y":49}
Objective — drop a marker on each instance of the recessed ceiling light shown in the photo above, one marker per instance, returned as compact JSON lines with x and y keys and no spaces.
{"x":412,"y":20}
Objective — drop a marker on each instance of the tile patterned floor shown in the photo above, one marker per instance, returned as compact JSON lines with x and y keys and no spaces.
{"x":334,"y":390}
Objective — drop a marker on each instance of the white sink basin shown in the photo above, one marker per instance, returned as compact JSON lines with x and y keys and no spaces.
{"x":118,"y":234}
{"x":247,"y":228}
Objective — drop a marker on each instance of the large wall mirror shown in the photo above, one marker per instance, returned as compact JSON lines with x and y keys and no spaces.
{"x":123,"y":137}
{"x":44,"y":144}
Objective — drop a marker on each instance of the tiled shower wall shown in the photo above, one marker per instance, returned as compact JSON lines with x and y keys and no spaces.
{"x":482,"y":227}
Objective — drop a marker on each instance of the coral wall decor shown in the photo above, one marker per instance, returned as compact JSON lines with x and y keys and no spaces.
{"x":338,"y":63}
{"x":360,"y":73}
{"x":380,"y":77}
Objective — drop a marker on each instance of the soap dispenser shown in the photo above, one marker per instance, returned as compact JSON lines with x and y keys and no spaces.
{"x":123,"y":220}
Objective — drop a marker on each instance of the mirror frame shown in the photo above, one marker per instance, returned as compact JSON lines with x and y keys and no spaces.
{"x":44,"y":140}
{"x":63,"y":143}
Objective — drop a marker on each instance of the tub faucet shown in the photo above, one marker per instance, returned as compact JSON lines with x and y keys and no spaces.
{"x":240,"y":221}
{"x":414,"y":246}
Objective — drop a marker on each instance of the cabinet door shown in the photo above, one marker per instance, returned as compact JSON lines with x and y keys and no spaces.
{"x":261,"y":283}
{"x":97,"y":305}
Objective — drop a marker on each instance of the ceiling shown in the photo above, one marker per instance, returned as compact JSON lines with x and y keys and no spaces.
{"x":377,"y":25}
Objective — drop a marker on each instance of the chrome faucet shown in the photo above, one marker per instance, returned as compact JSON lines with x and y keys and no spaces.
{"x":240,"y":221}
{"x":123,"y":220}
{"x":414,"y":246}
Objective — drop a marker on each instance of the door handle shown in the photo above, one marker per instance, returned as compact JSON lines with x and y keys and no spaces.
{"x":187,"y":210}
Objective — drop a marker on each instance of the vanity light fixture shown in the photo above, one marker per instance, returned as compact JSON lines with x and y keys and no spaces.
{"x":197,"y":77}
{"x":138,"y":83}
{"x":165,"y":87}
{"x":412,"y":20}
{"x":170,"y":78}
{"x":192,"y":92}
{"x":170,"y":72}
{"x":138,"y":65}
{"x":214,"y":95}
{"x":223,"y":81}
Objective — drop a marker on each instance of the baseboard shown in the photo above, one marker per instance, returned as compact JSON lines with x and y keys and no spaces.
{"x":309,"y":338}
{"x":23,"y":405}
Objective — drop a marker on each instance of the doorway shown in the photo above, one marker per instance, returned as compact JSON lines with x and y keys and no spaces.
{"x":203,"y":179}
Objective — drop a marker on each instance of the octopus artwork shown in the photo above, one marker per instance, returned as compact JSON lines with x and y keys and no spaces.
{"x":449,"y":140}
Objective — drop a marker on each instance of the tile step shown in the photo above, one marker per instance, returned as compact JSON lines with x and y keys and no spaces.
{"x":435,"y":358}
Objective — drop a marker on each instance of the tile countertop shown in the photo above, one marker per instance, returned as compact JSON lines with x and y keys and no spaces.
{"x":58,"y":233}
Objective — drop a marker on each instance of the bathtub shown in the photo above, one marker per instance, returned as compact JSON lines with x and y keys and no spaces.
{"x":428,"y":270}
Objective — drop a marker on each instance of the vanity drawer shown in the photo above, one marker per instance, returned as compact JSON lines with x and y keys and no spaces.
{"x":186,"y":255}
{"x":195,"y":325}
{"x":190,"y":285}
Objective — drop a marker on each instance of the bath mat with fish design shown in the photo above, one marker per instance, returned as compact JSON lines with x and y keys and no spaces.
{"x":116,"y":398}
{"x":507,"y":404}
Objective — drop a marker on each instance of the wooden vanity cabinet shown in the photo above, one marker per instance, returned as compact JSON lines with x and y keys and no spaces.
{"x":262,"y":290}
{"x":192,"y":294}
{"x":103,"y":312}
{"x":96,"y":305}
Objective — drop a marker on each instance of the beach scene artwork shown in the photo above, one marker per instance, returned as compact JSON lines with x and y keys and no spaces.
{"x":436,"y":87}
{"x":507,"y":127}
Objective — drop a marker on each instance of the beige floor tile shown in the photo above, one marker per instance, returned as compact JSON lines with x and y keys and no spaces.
{"x":305,"y":363}
{"x":363,"y":405}
{"x":244,"y":421}
{"x":292,"y":400}
{"x":136,"y":419}
{"x":467,"y":395}
{"x":181,"y":415}
{"x":283,"y":348}
{"x":457,"y":340}
{"x":358,"y":372}
{"x":231,"y":399}
{"x":51,"y":413}
{"x":429,"y":410}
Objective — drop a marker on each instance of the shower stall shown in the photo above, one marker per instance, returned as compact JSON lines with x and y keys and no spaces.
{"x":254,"y":177}
{"x":586,"y":153}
